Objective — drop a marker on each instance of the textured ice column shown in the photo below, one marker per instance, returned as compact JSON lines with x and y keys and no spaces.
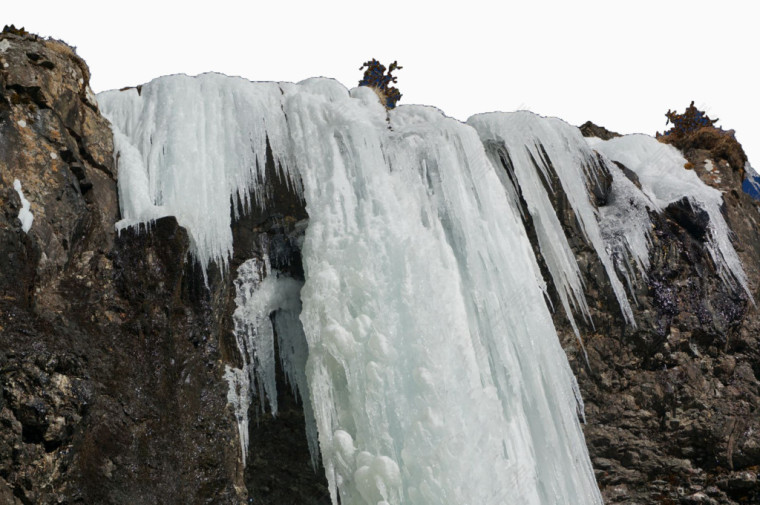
{"x":435,"y":372}
{"x":532,"y":147}
{"x":267,"y":303}
{"x":664,"y":180}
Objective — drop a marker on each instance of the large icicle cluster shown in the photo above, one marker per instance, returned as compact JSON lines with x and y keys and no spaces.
{"x":434,"y":371}
{"x":427,"y":329}
{"x":190,"y":146}
{"x":533,"y":148}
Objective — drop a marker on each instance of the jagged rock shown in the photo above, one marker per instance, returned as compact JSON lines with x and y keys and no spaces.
{"x":109,"y":394}
{"x":589,"y":129}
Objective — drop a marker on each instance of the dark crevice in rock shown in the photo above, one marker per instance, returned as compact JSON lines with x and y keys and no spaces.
{"x":279,"y":465}
{"x":86,"y":154}
{"x":40,"y":60}
{"x":28,"y":95}
{"x":279,"y":468}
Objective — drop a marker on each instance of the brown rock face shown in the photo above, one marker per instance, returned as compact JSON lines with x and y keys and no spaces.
{"x":589,"y":129}
{"x":110,"y":374}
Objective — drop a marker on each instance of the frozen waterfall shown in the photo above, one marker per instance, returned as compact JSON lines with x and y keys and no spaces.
{"x":434,"y":372}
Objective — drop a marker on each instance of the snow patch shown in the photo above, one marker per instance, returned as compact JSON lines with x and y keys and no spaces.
{"x":25,"y":214}
{"x":664,"y":180}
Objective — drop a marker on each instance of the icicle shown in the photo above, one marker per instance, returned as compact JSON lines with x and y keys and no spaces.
{"x":239,"y":396}
{"x":260,"y":293}
{"x":535,"y":147}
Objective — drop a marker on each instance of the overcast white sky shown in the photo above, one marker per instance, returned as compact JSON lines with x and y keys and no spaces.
{"x":619,"y":64}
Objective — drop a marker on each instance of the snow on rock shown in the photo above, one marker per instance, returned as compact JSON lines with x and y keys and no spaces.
{"x":25,"y":214}
{"x":626,"y":227}
{"x":664,"y":180}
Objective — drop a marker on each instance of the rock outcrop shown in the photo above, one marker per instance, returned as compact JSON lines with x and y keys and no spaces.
{"x":113,"y":346}
{"x":672,"y":405}
{"x":110,"y":386}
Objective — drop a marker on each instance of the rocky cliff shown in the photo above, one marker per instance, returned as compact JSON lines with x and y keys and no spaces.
{"x":113,"y":347}
{"x":109,"y":348}
{"x":672,"y":405}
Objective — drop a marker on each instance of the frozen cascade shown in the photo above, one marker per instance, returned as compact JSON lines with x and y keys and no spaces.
{"x":185,"y":149}
{"x":434,"y":370}
{"x":664,"y":180}
{"x":532,"y":147}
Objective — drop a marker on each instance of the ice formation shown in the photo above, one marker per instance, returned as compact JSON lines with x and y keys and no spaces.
{"x":532,"y":149}
{"x":421,"y":305}
{"x":664,"y":180}
{"x":188,"y":147}
{"x":24,"y":214}
{"x":260,"y":294}
{"x":432,"y":366}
